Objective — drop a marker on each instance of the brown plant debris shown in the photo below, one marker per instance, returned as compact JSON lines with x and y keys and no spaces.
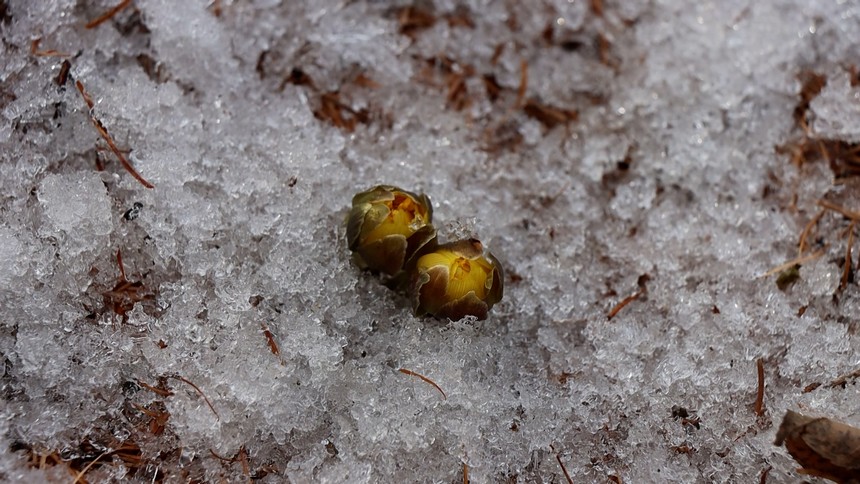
{"x":842,"y":157}
{"x":34,"y":49}
{"x":759,"y":397}
{"x":80,"y":476}
{"x":270,"y":340}
{"x":63,"y":75}
{"x":103,"y":132}
{"x":855,"y":216}
{"x":109,"y":14}
{"x":848,"y":270}
{"x":216,"y":8}
{"x":241,"y":457}
{"x":802,"y":244}
{"x":844,"y":379}
{"x":125,"y":294}
{"x":425,"y":379}
{"x":524,"y":84}
{"x":811,"y":387}
{"x":811,"y":84}
{"x":41,"y":458}
{"x":561,"y":464}
{"x":413,"y":20}
{"x":549,"y":116}
{"x":332,"y":108}
{"x":643,"y":279}
{"x":797,"y":261}
{"x":199,"y":391}
{"x":160,"y":390}
{"x":158,"y":416}
{"x":823,"y":447}
{"x":764,"y":472}
{"x":340,"y":114}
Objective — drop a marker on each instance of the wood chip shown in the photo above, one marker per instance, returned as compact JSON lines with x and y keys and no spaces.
{"x":823,"y":447}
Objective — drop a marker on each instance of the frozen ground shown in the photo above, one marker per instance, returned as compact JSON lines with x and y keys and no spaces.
{"x":642,"y":150}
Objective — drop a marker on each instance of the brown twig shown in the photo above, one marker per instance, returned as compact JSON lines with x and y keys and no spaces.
{"x":465,"y":473}
{"x":195,"y":387}
{"x":243,"y":459}
{"x":122,"y":277}
{"x":624,"y":302}
{"x":759,"y":398}
{"x":844,"y":379}
{"x":794,"y":262}
{"x":846,"y":272}
{"x":836,"y":208}
{"x":764,"y":472}
{"x":561,"y":464}
{"x":425,"y":379}
{"x":524,"y":84}
{"x":164,"y":392}
{"x":34,"y":49}
{"x":103,"y":132}
{"x":801,"y":244}
{"x":89,"y":466}
{"x":108,"y":15}
{"x":225,"y":459}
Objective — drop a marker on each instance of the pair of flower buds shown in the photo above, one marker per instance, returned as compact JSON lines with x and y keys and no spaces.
{"x":390,"y":231}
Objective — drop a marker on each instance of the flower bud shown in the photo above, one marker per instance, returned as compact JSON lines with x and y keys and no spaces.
{"x":456,"y":280}
{"x":387,"y":227}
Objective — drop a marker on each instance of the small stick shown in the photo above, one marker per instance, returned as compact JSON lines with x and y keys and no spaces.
{"x":145,"y":411}
{"x":177,"y":377}
{"x":624,"y":302}
{"x":794,"y":262}
{"x":34,"y":49}
{"x":103,"y":132}
{"x":759,"y":398}
{"x":764,"y":473}
{"x":89,"y":466}
{"x":121,"y":268}
{"x":848,"y":264}
{"x":561,"y":464}
{"x":158,"y":391}
{"x":243,"y":459}
{"x":836,"y":208}
{"x":844,"y":379}
{"x":222,"y":458}
{"x":465,"y":473}
{"x":524,"y":83}
{"x":426,"y":380}
{"x":107,"y":15}
{"x":806,"y":231}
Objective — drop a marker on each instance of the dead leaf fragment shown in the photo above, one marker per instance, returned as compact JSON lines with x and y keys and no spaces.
{"x":823,"y":447}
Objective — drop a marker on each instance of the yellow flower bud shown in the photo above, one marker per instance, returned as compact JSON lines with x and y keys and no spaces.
{"x":456,"y":280}
{"x":387,"y":227}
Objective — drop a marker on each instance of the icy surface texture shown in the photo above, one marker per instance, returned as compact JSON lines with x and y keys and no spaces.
{"x":600,"y":149}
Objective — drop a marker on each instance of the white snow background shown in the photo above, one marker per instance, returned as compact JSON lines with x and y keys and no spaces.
{"x":667,"y":175}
